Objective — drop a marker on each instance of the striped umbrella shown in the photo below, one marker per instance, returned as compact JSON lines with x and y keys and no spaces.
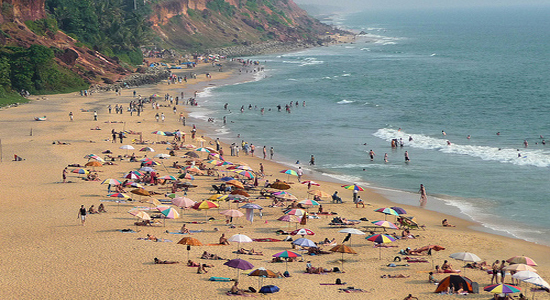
{"x":353,"y":187}
{"x":385,"y":224}
{"x":131,"y":175}
{"x":245,"y":173}
{"x":502,"y":289}
{"x":387,"y":211}
{"x":380,"y":239}
{"x":168,"y":177}
{"x":81,"y":171}
{"x":111,"y":181}
{"x":309,"y":202}
{"x":296,"y":212}
{"x":522,"y":260}
{"x":286,"y":255}
{"x":302,"y":232}
{"x":289,"y":172}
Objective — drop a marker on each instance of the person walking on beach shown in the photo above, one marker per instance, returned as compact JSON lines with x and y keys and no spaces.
{"x":423,"y":196}
{"x":71,"y":116}
{"x":162,"y":117}
{"x":82,"y":214}
{"x":300,"y":173}
{"x":95,"y":115}
{"x":407,"y":159}
{"x":264,"y":150}
{"x":271,"y":152}
{"x":65,"y":175}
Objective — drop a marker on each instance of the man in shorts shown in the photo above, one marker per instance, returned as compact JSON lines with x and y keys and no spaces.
{"x":82,"y":214}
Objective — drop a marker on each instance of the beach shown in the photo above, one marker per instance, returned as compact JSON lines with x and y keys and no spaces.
{"x":49,"y":254}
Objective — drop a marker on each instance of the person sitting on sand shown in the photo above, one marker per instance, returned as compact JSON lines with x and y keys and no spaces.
{"x":223,"y":240}
{"x":101,"y":208}
{"x":165,"y":262}
{"x":395,"y":276}
{"x":446,"y":266}
{"x":235,"y":290}
{"x":445,"y":223}
{"x":431,"y":278}
{"x":92,"y":210}
{"x":184,"y":230}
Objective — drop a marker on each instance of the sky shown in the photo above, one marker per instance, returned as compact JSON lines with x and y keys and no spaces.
{"x":418,"y":4}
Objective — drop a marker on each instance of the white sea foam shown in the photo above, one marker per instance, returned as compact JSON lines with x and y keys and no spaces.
{"x":207,"y":92}
{"x":365,"y":49}
{"x":345,"y":101}
{"x":537,"y":158}
{"x":346,"y":75}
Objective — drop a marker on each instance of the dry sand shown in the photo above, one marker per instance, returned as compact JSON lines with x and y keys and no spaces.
{"x":48,"y":254}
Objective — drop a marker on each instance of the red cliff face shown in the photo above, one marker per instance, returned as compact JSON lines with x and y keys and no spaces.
{"x":22,"y":10}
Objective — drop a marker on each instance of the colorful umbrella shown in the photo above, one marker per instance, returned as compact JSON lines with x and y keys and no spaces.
{"x":380,"y":239}
{"x":310,"y":182}
{"x":522,"y":260}
{"x":111,"y":181}
{"x":296,"y":212}
{"x":289,"y":172}
{"x":385,"y":224}
{"x":202,"y":149}
{"x":205,"y":205}
{"x":81,"y":171}
{"x":286,"y":254}
{"x":158,"y":132}
{"x":309,"y":202}
{"x":168,"y":177}
{"x":387,"y":211}
{"x":263,"y":272}
{"x":502,"y":289}
{"x":131,"y":175}
{"x":168,"y":212}
{"x":226,"y":178}
{"x":245,"y":173}
{"x":353,"y":187}
{"x":399,"y":210}
{"x":119,"y":195}
{"x":288,"y":218}
{"x":519,"y":267}
{"x":186,"y":176}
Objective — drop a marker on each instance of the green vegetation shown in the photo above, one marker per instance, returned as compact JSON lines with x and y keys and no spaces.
{"x":114,"y":27}
{"x":221,"y":7}
{"x":42,"y":26}
{"x":33,"y":69}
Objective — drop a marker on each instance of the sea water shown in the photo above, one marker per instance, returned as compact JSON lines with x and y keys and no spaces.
{"x":414,"y":75}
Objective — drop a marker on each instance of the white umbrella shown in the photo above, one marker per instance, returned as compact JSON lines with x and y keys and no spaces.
{"x":465,"y":256}
{"x":519,"y":267}
{"x":521,"y":275}
{"x":127,"y":147}
{"x":352,"y":231}
{"x":240,"y":238}
{"x":538,"y":281}
{"x":162,"y":155}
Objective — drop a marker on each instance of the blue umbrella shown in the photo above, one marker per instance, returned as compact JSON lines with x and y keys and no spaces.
{"x":304,"y":242}
{"x":251,"y":206}
{"x":227,"y":178}
{"x":268,"y":289}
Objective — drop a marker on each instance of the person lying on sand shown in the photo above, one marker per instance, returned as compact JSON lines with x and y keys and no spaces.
{"x":206,"y":255}
{"x":445,"y":223}
{"x":438,"y":270}
{"x":202,"y":269}
{"x":328,"y":242}
{"x":61,"y":143}
{"x":313,"y":270}
{"x":153,"y":238}
{"x":395,"y":276}
{"x":165,"y":262}
{"x":143,"y":223}
{"x":249,"y":252}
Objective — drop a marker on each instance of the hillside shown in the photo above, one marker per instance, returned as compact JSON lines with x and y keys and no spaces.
{"x":49,"y":46}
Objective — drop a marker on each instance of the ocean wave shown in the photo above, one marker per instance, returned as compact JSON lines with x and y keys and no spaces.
{"x":207,"y":92}
{"x":365,"y":49}
{"x":346,"y":75}
{"x":347,"y":178}
{"x":345,"y":101}
{"x":535,"y":158}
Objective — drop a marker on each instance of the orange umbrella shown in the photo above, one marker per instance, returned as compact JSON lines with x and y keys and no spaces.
{"x":235,"y":183}
{"x":280,"y":185}
{"x":140,"y":192}
{"x":190,"y":241}
{"x":240,"y":192}
{"x":94,"y":164}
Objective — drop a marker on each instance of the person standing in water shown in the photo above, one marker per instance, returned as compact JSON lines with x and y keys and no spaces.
{"x":423,"y":196}
{"x":385,"y":157}
{"x":407,"y":159}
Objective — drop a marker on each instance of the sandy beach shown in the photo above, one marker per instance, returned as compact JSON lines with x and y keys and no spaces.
{"x":47,"y":253}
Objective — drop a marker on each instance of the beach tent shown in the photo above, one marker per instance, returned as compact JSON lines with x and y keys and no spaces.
{"x":454,"y":281}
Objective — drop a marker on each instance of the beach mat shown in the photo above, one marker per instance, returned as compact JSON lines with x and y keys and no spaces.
{"x":192,"y":231}
{"x":213,"y":278}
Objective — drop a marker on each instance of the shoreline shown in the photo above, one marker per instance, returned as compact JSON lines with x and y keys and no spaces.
{"x":438,"y":203}
{"x":49,"y":233}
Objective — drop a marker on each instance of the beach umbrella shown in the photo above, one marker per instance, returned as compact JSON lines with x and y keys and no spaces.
{"x":168,"y":212}
{"x":215,"y":197}
{"x":263,"y":272}
{"x":237,"y":197}
{"x":190,"y":241}
{"x":168,"y":177}
{"x":286,"y":255}
{"x":154,"y":201}
{"x":246,"y":174}
{"x":519,"y":267}
{"x":387,"y":211}
{"x":202,"y":149}
{"x":189,"y":146}
{"x":302,"y":232}
{"x":147,"y":169}
{"x":399,"y":210}
{"x":240,"y":192}
{"x":522,"y":260}
{"x":147,"y":149}
{"x":296,"y":212}
{"x":465,"y":256}
{"x":212,"y":150}
{"x":162,"y":155}
{"x":205,"y":205}
{"x":226,"y":178}
{"x":239,"y":264}
{"x":352,"y":231}
{"x":111,"y":181}
{"x":285,"y":195}
{"x":183,"y":202}
{"x":194,"y":169}
{"x":251,"y":206}
{"x":342,"y":249}
{"x":280,"y":185}
{"x":240,"y":238}
{"x":158,"y":132}
{"x":319,"y":193}
{"x":141,"y":214}
{"x":192,"y":154}
{"x":126,"y":147}
{"x":151,"y":163}
{"x":233,"y":213}
{"x":289,"y":172}
{"x":94,"y":164}
{"x":522,"y":275}
{"x":353,"y":187}
{"x":134,"y":184}
{"x":81,"y":171}
{"x":310,"y":182}
{"x":268,"y":289}
{"x":309,"y":202}
{"x":303,"y":242}
{"x":235,"y":183}
{"x":141,"y":192}
{"x":380,"y":239}
{"x":186,"y":176}
{"x":385,"y":224}
{"x":119,"y":195}
{"x":131,"y":175}
{"x":93,"y":156}
{"x":502,"y":289}
{"x":289,"y":218}
{"x":214,"y":162}
{"x":538,"y":281}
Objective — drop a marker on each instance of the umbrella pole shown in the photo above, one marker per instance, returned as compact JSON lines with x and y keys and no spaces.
{"x":379,"y":253}
{"x":342,"y":261}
